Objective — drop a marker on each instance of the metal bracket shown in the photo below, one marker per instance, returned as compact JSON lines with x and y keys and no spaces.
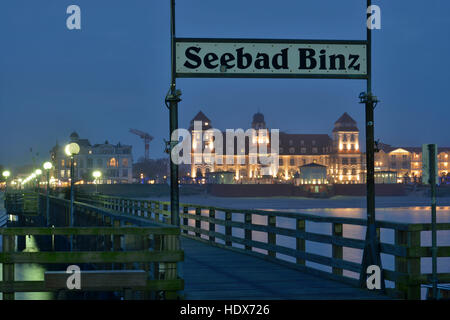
{"x":169,"y":145}
{"x":368,"y":98}
{"x":376,"y":147}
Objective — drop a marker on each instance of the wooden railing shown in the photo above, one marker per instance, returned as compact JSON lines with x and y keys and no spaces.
{"x":157,"y":251}
{"x":108,"y":240}
{"x":218,"y":227}
{"x":21,"y":203}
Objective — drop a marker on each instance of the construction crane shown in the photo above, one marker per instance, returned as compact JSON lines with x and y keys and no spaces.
{"x":147,"y":138}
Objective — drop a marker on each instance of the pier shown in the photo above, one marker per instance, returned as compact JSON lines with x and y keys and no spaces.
{"x":216,"y":253}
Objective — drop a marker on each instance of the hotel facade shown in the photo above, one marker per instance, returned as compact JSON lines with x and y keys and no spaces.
{"x":339,"y":153}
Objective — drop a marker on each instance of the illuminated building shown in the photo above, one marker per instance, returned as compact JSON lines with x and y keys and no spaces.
{"x":339,"y":154}
{"x":407,"y":162}
{"x":114,"y":161}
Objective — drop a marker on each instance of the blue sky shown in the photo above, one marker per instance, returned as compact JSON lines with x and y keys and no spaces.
{"x":114,"y":73}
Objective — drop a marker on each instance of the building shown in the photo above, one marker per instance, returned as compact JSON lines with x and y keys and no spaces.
{"x":114,"y":161}
{"x":385,"y":177}
{"x":340,"y":154}
{"x":313,"y":173}
{"x":407,"y":162}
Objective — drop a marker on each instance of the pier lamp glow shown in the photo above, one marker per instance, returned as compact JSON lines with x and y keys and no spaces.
{"x":6,"y":175}
{"x":47,"y":167}
{"x":96,"y":174}
{"x":38,"y":172}
{"x":72,"y":149}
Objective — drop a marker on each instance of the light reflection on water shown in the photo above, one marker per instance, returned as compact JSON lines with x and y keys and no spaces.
{"x":28,"y":272}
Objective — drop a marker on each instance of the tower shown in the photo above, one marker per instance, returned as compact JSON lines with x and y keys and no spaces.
{"x":258,"y":121}
{"x":345,"y":134}
{"x":346,"y":164}
{"x":200,"y":141}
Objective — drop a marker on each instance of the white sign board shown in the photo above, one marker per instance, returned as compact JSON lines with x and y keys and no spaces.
{"x":426,"y":164}
{"x":257,"y":58}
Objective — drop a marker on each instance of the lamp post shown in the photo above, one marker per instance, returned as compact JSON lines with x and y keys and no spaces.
{"x":71,"y":150}
{"x":38,"y":172}
{"x":47,"y":167}
{"x":6,"y":175}
{"x":96,"y":174}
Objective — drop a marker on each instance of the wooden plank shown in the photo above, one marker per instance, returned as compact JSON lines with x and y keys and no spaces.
{"x":92,"y":257}
{"x":90,"y":231}
{"x":39,"y":286}
{"x":98,"y":279}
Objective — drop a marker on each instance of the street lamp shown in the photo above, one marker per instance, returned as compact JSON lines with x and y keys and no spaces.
{"x":47,"y":167}
{"x":6,"y":175}
{"x":96,"y":174}
{"x":71,"y":150}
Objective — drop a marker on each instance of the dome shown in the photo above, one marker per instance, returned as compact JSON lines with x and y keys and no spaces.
{"x":74,"y":136}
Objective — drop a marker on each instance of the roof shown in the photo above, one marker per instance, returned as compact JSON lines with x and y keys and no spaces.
{"x":200,"y":116}
{"x":305,"y":142}
{"x":312,"y":164}
{"x":388,"y":148}
{"x":258,"y":117}
{"x":345,"y":123}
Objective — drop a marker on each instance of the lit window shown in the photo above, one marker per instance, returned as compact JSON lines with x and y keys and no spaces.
{"x":112,"y":162}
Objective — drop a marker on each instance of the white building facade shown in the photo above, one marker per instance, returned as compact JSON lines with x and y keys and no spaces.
{"x":113,"y":161}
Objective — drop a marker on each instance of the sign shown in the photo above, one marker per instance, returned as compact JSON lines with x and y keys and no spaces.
{"x":427,"y":162}
{"x":257,"y":58}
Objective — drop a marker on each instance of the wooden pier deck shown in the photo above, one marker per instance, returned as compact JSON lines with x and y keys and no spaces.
{"x":217,"y":274}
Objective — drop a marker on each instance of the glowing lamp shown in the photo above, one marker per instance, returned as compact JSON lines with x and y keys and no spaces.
{"x":47,"y":165}
{"x":72,"y":149}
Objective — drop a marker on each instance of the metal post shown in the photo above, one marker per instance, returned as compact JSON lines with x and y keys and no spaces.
{"x":432,"y":152}
{"x":172,"y":99}
{"x":47,"y":208}
{"x":371,"y":254}
{"x":72,"y":170}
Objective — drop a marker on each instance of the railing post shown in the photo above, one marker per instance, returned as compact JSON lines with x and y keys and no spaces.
{"x":337,"y":250}
{"x":8,"y":268}
{"x":157,"y":208}
{"x":165,"y":208}
{"x":248,"y":232}
{"x":228,"y":231}
{"x":117,"y":243}
{"x":300,"y":242}
{"x":271,"y":236}
{"x":171,"y":243}
{"x":212,"y":225}
{"x":185,"y":219}
{"x":198,"y":214}
{"x":409,"y":265}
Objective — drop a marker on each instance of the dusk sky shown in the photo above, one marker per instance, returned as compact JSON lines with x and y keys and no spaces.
{"x":113,"y":74}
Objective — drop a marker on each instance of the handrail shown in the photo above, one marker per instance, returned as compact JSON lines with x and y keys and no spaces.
{"x":99,"y":236}
{"x":407,"y":249}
